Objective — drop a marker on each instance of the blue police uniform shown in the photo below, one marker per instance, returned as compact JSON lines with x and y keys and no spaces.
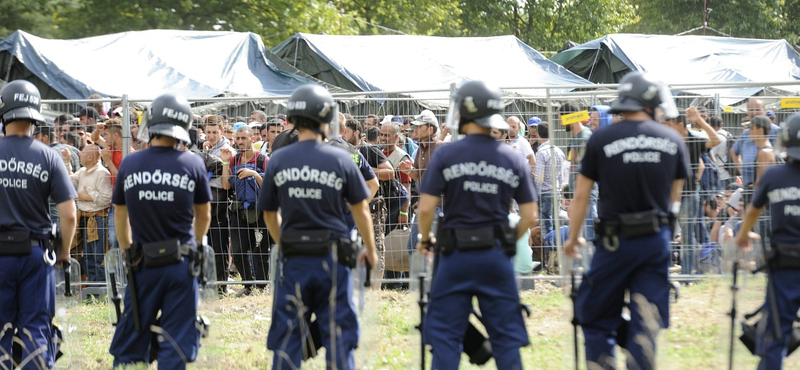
{"x":159,"y":186}
{"x":309,"y":182}
{"x":649,"y":156}
{"x":477,"y":177}
{"x":30,"y":172}
{"x":779,"y":190}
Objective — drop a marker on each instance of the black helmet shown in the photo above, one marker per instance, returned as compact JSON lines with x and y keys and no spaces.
{"x":481,"y":104}
{"x":637,"y":91}
{"x":790,"y":136}
{"x":169,"y":115}
{"x":20,"y":100}
{"x":310,"y":101}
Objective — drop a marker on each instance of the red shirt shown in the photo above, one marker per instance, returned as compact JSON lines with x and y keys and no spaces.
{"x":116,"y":158}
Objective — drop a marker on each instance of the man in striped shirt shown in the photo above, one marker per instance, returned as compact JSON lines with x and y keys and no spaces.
{"x":543,"y":178}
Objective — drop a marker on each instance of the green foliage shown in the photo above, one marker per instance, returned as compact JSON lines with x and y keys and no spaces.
{"x":738,"y":18}
{"x":544,"y":24}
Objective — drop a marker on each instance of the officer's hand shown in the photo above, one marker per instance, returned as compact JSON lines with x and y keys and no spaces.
{"x":225,"y":153}
{"x":572,"y":245}
{"x":426,"y":249}
{"x":692,"y":114}
{"x":106,"y":155}
{"x":371,"y":257}
{"x":244,"y":173}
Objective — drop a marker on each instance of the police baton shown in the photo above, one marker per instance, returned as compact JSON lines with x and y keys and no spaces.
{"x":422,"y":301}
{"x":732,"y":314}
{"x":773,"y":302}
{"x":573,"y":295}
{"x":115,"y":299}
{"x":132,"y":288}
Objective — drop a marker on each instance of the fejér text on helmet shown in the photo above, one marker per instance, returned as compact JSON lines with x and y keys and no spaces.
{"x":26,"y":98}
{"x":172,"y":113}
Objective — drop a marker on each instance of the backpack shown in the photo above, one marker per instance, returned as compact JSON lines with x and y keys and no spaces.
{"x":728,"y":165}
{"x":247,"y":189}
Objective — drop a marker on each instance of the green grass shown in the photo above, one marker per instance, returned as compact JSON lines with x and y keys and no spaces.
{"x":697,"y":339}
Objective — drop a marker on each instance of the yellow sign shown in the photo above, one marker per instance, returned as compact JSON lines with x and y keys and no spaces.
{"x":727,"y":109}
{"x":571,"y":118}
{"x":790,"y":103}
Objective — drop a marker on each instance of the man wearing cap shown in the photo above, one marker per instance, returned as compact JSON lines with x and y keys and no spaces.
{"x":533,"y":136}
{"x":88,"y":117}
{"x":575,"y":152}
{"x":425,"y":126}
{"x":744,"y":151}
{"x":519,"y":144}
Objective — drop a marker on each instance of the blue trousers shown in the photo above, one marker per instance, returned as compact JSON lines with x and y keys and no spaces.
{"x":27,"y":302}
{"x":640,"y":267}
{"x":306,"y":286}
{"x":488,"y":275}
{"x":95,"y":251}
{"x":172,"y":290}
{"x":690,"y":206}
{"x":546,"y":215}
{"x":787,"y":297}
{"x":112,"y":230}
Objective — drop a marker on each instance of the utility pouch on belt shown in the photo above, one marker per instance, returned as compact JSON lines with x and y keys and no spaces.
{"x":508,"y":237}
{"x":162,"y":253}
{"x":15,"y":243}
{"x":347,"y":252}
{"x":445,"y":242}
{"x":305,"y":243}
{"x":474,"y":239}
{"x":639,"y":224}
{"x":784,"y":256}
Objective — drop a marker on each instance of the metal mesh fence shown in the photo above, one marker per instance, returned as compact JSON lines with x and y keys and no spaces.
{"x":710,"y":209}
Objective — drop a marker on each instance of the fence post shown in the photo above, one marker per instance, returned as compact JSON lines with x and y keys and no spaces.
{"x":126,"y":126}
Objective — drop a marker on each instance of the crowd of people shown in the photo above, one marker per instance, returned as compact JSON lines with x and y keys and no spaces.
{"x":398,"y":149}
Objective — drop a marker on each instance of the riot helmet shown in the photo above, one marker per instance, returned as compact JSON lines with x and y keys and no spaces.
{"x":639,"y":91}
{"x":169,"y":115}
{"x":790,"y":137}
{"x":310,"y":101}
{"x":481,"y":104}
{"x":20,"y":100}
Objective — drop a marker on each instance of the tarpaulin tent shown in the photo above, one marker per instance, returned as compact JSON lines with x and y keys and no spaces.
{"x":407,"y":63}
{"x":144,"y":64}
{"x":687,"y":59}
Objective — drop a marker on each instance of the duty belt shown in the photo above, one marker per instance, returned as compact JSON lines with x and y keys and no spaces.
{"x":630,"y":226}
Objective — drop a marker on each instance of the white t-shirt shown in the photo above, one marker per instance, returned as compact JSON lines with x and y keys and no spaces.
{"x":521,"y":146}
{"x":720,"y":155}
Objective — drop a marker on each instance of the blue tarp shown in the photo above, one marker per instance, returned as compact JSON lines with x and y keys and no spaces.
{"x":686,"y":60}
{"x":144,"y":64}
{"x":405,"y":62}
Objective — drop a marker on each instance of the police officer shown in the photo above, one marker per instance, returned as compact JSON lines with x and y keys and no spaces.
{"x":778,"y":190}
{"x":634,"y":234}
{"x":30,"y":172}
{"x":163,"y":209}
{"x":475,"y":246}
{"x":309,"y":182}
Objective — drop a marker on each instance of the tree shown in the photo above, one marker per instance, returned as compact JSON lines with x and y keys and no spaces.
{"x":32,"y":16}
{"x":738,"y":18}
{"x":418,"y":17}
{"x":275,"y":20}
